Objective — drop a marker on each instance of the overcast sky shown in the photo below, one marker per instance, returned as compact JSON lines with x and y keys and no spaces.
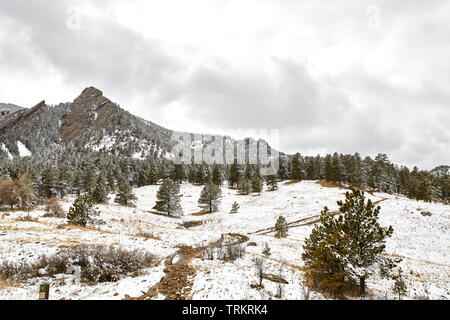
{"x":347,"y":76}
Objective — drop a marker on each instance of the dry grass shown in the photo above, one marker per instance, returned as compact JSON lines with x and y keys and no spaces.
{"x":192,"y":224}
{"x":292,"y":182}
{"x":8,"y":283}
{"x":201,"y":213}
{"x":155,"y":213}
{"x":329,"y":184}
{"x":146,"y":235}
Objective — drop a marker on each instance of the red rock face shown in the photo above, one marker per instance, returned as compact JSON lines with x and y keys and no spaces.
{"x":17,"y":121}
{"x":89,"y":110}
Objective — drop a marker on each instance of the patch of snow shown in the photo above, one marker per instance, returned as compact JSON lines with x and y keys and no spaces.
{"x":5,"y":149}
{"x":23,"y":151}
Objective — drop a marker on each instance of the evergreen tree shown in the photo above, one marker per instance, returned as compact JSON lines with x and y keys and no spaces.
{"x":347,"y":246}
{"x":335,"y":170}
{"x":125,"y":195}
{"x":244,"y":186}
{"x":399,"y":287}
{"x":77,"y":185}
{"x":169,"y":198}
{"x":272,"y":182}
{"x":425,"y":189}
{"x":178,"y":174}
{"x":152,"y":176}
{"x":281,"y":228}
{"x":266,"y":250}
{"x":217,"y":178}
{"x":89,"y":180}
{"x":163,"y":172}
{"x":257,"y":183}
{"x":210,"y":197}
{"x":283,"y":171}
{"x":297,"y":172}
{"x":200,"y":175}
{"x":48,"y":186}
{"x":235,"y":207}
{"x":100,"y":192}
{"x":327,"y":168}
{"x":321,"y":255}
{"x":365,"y":238}
{"x":356,"y":179}
{"x":82,"y":211}
{"x":142,"y":178}
{"x":234,"y":176}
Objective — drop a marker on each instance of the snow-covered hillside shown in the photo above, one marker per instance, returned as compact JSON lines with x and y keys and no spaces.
{"x":422,"y":241}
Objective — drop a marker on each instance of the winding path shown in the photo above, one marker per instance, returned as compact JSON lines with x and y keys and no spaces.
{"x":178,"y":281}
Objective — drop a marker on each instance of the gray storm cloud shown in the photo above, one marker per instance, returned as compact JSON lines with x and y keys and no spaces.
{"x":316,"y":71}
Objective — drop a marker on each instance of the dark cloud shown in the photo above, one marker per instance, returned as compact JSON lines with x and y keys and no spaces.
{"x":315,"y":71}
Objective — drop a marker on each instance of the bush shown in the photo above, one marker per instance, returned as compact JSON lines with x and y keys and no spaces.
{"x":224,"y":252}
{"x":53,"y":209}
{"x":98,"y":264}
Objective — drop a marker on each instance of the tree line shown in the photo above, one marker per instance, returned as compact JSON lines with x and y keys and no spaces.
{"x":73,"y":173}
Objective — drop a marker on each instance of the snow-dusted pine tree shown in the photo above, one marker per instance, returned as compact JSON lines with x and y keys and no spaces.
{"x":281,"y":228}
{"x":210,"y":197}
{"x":169,"y":198}
{"x":125,"y":195}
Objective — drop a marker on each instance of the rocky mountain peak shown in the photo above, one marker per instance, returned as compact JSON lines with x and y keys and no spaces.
{"x":89,"y":110}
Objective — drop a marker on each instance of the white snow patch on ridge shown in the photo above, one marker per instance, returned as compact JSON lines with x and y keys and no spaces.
{"x":23,"y":150}
{"x":5,"y":149}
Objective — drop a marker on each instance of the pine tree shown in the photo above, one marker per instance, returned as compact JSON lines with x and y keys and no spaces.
{"x":125,"y":195}
{"x":48,"y":187}
{"x":346,"y":247}
{"x":100,"y":192}
{"x":234,"y":176}
{"x":336,"y":173}
{"x":217,"y":178}
{"x":199,"y":175}
{"x":281,"y":228}
{"x":178,"y":174}
{"x":356,"y":179}
{"x":235,"y":207}
{"x":82,"y":211}
{"x":321,"y":255}
{"x":89,"y":180}
{"x":142,"y":178}
{"x":283,"y":172}
{"x":244,"y":186}
{"x":257,"y":184}
{"x":169,"y":198}
{"x":297,"y":172}
{"x":364,"y":237}
{"x":266,"y":250}
{"x":399,"y":286}
{"x":272,"y":182}
{"x":210,"y":197}
{"x":152,"y":176}
{"x":327,"y":168}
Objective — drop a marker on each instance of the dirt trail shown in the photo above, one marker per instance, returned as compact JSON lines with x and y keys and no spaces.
{"x":304,"y":221}
{"x":178,"y":281}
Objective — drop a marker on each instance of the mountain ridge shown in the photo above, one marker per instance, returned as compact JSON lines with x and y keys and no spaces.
{"x":91,"y":117}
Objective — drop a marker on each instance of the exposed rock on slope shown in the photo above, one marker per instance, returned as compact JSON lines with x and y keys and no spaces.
{"x":6,"y":109}
{"x":89,"y":110}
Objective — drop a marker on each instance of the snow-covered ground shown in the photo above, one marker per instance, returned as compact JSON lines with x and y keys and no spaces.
{"x":421,"y":241}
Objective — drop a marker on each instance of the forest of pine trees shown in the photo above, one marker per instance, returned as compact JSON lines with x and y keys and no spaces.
{"x":70,"y":172}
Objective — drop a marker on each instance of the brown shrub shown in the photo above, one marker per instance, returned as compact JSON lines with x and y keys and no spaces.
{"x":53,"y":209}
